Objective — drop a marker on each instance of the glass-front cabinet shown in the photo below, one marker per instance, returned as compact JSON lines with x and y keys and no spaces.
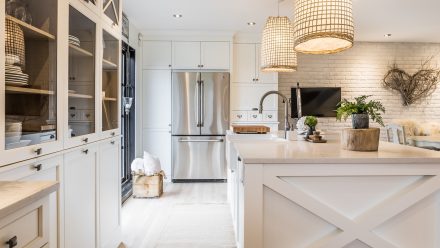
{"x":29,"y":116}
{"x":110,"y":83}
{"x":82,"y":93}
{"x":111,"y":10}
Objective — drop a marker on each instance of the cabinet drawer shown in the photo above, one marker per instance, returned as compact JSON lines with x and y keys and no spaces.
{"x":27,"y":226}
{"x":239,"y":116}
{"x":270,"y":116}
{"x":255,"y":116}
{"x":32,"y":169}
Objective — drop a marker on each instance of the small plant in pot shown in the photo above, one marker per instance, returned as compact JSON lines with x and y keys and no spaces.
{"x":361,"y":111}
{"x":311,"y":122}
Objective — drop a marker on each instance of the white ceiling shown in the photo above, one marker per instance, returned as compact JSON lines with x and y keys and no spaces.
{"x":406,"y":20}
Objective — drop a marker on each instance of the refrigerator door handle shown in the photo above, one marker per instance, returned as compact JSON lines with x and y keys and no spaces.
{"x":197,"y":103}
{"x":195,"y":141}
{"x":202,"y":103}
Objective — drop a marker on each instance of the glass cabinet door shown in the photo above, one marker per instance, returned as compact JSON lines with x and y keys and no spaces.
{"x":110,"y":82}
{"x":30,"y":72}
{"x":82,"y":50}
{"x":111,"y":10}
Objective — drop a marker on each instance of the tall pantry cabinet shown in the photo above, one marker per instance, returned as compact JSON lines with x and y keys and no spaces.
{"x":60,"y":111}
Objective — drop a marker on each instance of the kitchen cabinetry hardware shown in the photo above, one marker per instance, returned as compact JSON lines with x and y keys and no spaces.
{"x":197,"y":141}
{"x":38,"y":151}
{"x":12,"y":242}
{"x":85,"y":140}
{"x":112,"y":134}
{"x":112,"y":142}
{"x":85,"y":151}
{"x":37,"y":167}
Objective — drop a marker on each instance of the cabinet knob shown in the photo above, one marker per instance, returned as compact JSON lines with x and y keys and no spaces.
{"x":112,"y":142}
{"x":85,"y":140}
{"x":169,"y":66}
{"x":12,"y":242}
{"x":254,"y":116}
{"x":37,"y":167}
{"x":113,"y":134}
{"x":85,"y":151}
{"x":270,"y":116}
{"x":202,"y":66}
{"x":239,"y":116}
{"x":38,"y":151}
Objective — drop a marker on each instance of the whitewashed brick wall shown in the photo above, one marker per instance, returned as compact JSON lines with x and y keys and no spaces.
{"x":360,"y":71}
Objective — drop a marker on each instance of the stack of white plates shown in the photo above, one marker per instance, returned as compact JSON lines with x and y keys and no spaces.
{"x":14,"y":76}
{"x":74,"y":40}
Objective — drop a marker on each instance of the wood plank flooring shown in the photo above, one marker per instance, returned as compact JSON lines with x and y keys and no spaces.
{"x":189,"y":215}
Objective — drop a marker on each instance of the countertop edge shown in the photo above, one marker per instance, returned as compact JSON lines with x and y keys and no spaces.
{"x":29,"y":198}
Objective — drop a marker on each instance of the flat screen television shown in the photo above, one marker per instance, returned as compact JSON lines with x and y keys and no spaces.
{"x":320,"y":102}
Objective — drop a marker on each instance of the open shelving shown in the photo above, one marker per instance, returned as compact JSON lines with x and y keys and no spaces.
{"x":76,"y":51}
{"x":22,"y":90}
{"x":108,"y":65}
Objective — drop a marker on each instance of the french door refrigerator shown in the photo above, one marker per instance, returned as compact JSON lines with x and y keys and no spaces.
{"x":200,"y":118}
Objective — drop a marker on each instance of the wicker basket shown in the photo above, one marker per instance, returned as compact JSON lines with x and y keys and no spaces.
{"x":14,"y":42}
{"x":148,"y":186}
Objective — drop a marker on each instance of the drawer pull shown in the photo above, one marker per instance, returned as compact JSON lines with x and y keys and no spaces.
{"x":85,"y":140}
{"x":254,"y":116}
{"x":112,"y":142}
{"x":113,"y":134}
{"x":85,"y":151}
{"x":12,"y":242}
{"x":239,"y":116}
{"x":37,"y":167}
{"x":38,"y":151}
{"x":270,"y":116}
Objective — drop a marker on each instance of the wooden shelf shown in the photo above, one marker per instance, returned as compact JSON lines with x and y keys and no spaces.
{"x":110,"y":99}
{"x":76,"y":51}
{"x":31,"y":31}
{"x":21,"y":90}
{"x":71,"y":121}
{"x":74,"y":95}
{"x":108,"y":65}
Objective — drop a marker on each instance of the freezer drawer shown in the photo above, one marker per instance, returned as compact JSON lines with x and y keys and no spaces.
{"x":199,"y":158}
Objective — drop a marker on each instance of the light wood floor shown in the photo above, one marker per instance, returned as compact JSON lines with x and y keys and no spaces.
{"x":192,"y":215}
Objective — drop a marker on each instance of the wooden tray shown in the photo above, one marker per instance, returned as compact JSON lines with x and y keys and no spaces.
{"x":251,"y":129}
{"x":317,"y":141}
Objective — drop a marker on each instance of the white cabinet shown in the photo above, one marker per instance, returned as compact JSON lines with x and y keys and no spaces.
{"x":201,"y":55}
{"x":109,"y":188}
{"x":156,"y":55}
{"x":247,"y":96}
{"x":158,"y":143}
{"x":247,"y":65}
{"x":215,"y":55}
{"x":156,"y":99}
{"x":156,"y":115}
{"x":186,"y":55}
{"x":80,"y":197}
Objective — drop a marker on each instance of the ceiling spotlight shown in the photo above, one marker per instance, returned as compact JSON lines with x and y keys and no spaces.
{"x":177,"y":16}
{"x":251,"y":23}
{"x":388,"y":35}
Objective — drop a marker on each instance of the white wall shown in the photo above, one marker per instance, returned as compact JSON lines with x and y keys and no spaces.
{"x":360,"y":71}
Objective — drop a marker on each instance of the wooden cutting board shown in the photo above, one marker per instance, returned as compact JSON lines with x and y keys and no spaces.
{"x":257,"y":129}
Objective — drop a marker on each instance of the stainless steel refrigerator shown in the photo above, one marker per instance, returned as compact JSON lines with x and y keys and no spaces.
{"x":200,"y":118}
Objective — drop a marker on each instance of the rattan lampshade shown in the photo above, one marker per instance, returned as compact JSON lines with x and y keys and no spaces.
{"x":323,"y":26}
{"x":14,"y":41}
{"x":277,"y":48}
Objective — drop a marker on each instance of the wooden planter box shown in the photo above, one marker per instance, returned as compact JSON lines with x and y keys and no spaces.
{"x":148,"y":186}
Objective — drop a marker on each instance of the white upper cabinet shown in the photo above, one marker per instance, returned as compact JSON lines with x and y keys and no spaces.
{"x":201,"y":55}
{"x":215,"y":55}
{"x":186,"y":55}
{"x":156,"y":55}
{"x":244,"y":63}
{"x":247,"y":65}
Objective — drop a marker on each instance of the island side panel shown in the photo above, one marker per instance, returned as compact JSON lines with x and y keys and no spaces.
{"x":338,"y":205}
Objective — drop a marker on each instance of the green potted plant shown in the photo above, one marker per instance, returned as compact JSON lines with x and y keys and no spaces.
{"x":361,"y":111}
{"x":311,"y":122}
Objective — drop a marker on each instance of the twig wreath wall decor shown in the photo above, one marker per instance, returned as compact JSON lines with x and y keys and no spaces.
{"x":414,"y":87}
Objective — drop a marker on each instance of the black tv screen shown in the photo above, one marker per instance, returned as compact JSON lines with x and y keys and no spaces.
{"x":320,"y":102}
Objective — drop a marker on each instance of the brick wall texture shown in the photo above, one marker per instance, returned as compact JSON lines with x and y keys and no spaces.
{"x":360,"y":71}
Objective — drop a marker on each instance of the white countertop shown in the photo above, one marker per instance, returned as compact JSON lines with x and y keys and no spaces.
{"x":294,"y":152}
{"x":15,"y":195}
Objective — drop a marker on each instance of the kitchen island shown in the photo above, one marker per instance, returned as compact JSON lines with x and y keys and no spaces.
{"x":288,"y":194}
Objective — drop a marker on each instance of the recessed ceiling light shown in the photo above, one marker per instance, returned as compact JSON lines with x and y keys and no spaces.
{"x":177,"y":16}
{"x":388,"y":35}
{"x":251,"y":23}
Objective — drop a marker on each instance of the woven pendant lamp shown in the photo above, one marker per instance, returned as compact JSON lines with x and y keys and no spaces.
{"x":323,"y":26}
{"x":277,"y":48}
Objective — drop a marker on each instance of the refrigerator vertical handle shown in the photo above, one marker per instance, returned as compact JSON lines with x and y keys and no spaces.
{"x":202,"y":103}
{"x":198,"y":101}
